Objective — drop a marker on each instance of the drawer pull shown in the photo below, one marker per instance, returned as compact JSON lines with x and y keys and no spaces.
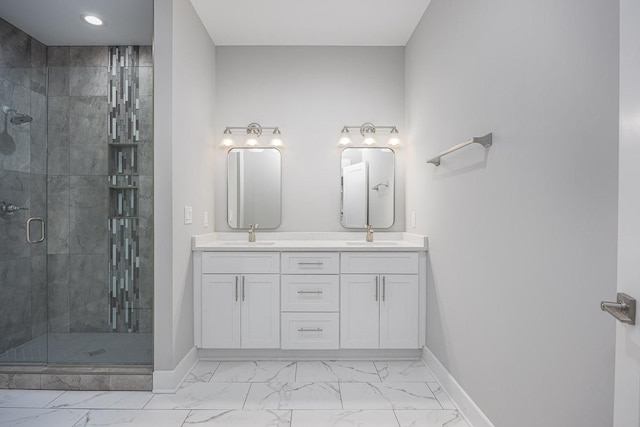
{"x":310,"y":329}
{"x":310,"y":292}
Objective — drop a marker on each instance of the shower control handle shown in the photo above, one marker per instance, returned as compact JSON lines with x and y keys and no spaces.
{"x":8,"y":209}
{"x":42,"y":230}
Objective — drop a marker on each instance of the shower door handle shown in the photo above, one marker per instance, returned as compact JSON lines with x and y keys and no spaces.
{"x":42,"y":230}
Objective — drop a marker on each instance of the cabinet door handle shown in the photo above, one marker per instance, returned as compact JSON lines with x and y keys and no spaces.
{"x":236,"y":288}
{"x":310,"y":292}
{"x":384,"y":288}
{"x":310,"y":329}
{"x":242,"y":288}
{"x":309,"y":263}
{"x":377,"y":288}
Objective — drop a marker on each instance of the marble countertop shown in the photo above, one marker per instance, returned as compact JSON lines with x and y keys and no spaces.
{"x":309,"y":241}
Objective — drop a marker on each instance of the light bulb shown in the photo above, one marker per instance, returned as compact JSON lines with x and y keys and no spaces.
{"x":369,"y":139}
{"x":345,"y":138}
{"x":227,"y":138}
{"x":276,"y":138}
{"x":394,"y":138}
{"x":93,"y":20}
{"x":252,"y":140}
{"x":368,"y":132}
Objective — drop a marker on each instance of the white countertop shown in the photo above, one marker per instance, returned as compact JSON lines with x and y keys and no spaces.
{"x":309,"y":241}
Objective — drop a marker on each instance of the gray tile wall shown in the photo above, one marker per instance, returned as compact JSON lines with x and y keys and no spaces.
{"x":78,"y":188}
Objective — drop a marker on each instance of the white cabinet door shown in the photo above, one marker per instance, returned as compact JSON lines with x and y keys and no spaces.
{"x":220,"y":311}
{"x":399,"y":311}
{"x":359,"y":311}
{"x":260,"y":295}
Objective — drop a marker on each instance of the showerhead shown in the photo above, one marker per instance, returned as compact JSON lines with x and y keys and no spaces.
{"x":18,"y":118}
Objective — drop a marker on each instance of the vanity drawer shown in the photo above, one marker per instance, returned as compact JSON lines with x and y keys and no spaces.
{"x":310,"y":263}
{"x":238,"y":263}
{"x":310,"y":331}
{"x":310,"y":292}
{"x":379,"y":262}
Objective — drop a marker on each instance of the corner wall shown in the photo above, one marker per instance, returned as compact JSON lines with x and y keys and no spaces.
{"x":184,"y":57}
{"x":522,"y":236}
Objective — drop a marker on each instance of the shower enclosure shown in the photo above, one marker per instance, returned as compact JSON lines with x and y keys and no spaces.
{"x":76,"y":273}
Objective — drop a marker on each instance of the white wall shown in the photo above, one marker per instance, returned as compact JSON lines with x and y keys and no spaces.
{"x":184,"y":66}
{"x":310,"y":93}
{"x":523,"y":237}
{"x":627,"y":391}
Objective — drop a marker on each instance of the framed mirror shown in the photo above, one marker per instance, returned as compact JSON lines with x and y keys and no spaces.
{"x":254,"y":192}
{"x":368,"y":187}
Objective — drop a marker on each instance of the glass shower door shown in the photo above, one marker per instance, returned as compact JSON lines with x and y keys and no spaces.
{"x":23,"y":190}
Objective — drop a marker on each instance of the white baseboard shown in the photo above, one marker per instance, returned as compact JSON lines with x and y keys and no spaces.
{"x":169,"y":381}
{"x":467,"y":406}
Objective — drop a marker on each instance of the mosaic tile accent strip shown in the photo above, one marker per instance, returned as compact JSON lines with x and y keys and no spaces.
{"x":124,"y":94}
{"x":124,"y":236}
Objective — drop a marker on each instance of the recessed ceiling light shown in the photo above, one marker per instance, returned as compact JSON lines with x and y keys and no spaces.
{"x":92,"y":19}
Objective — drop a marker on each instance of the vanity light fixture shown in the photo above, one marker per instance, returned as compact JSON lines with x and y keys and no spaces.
{"x":368,"y":132}
{"x":252,"y":131}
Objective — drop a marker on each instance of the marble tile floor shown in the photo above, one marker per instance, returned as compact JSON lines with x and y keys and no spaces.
{"x":254,"y":394}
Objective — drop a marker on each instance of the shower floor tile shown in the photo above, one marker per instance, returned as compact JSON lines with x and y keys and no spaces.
{"x":84,"y":348}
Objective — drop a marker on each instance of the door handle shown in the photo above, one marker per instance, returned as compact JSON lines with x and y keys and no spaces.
{"x":624,"y":309}
{"x":242,"y":288}
{"x":42,"y":230}
{"x":236,"y":288}
{"x":377,"y":288}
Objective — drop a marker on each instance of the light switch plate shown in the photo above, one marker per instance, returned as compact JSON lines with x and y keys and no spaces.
{"x":188,"y":215}
{"x":413,"y":220}
{"x":205,"y":220}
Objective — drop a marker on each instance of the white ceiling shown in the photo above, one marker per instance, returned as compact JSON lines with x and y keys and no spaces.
{"x":309,"y":22}
{"x":58,"y":23}
{"x":229,"y":22}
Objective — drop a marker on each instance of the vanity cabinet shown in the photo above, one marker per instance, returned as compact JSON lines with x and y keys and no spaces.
{"x":240,"y":300}
{"x":286,"y":297}
{"x":379,"y":310}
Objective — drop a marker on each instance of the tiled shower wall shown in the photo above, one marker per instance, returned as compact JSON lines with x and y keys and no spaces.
{"x":79,"y":184}
{"x":23,"y":292}
{"x":75,"y":289}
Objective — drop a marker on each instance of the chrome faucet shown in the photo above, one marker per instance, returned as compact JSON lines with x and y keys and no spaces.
{"x":369,"y":233}
{"x":252,"y":232}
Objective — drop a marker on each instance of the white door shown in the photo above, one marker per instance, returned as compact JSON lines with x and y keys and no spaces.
{"x":627,"y":371}
{"x":359,"y":311}
{"x":399,"y":311}
{"x":220,"y":311}
{"x":355,"y":193}
{"x":260,"y":295}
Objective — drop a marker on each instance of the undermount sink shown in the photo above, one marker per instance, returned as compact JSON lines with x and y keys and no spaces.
{"x":249,"y":243}
{"x":383,"y":243}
